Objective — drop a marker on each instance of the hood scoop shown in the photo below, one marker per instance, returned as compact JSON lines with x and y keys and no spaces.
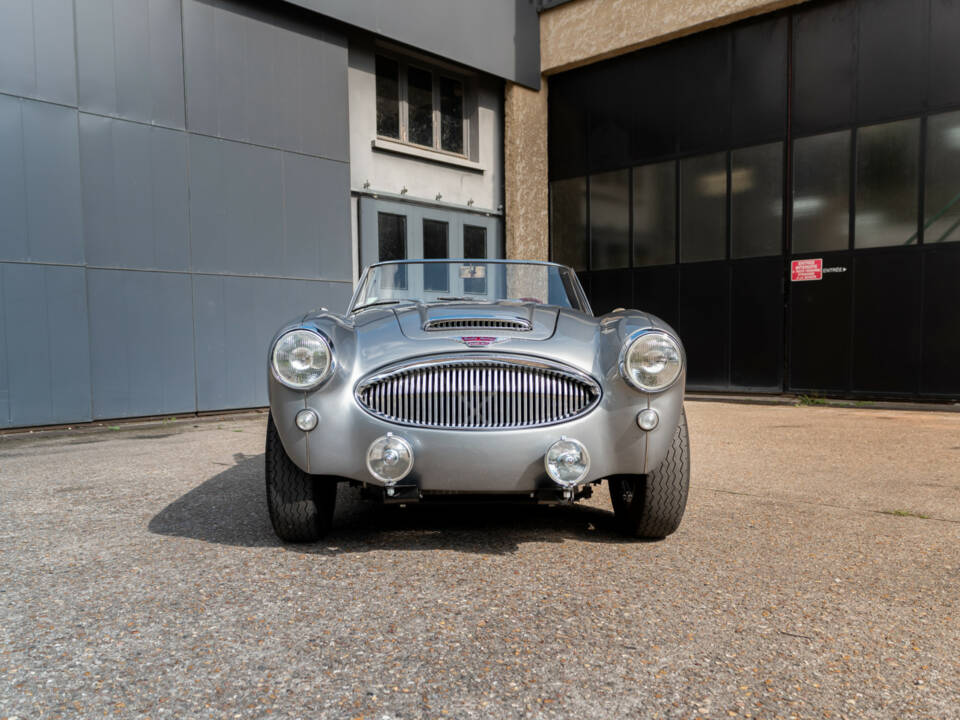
{"x":478,"y":323}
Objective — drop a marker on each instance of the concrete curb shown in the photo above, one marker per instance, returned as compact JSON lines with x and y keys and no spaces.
{"x":808,"y":401}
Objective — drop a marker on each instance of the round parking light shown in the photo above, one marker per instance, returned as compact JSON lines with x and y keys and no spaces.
{"x":307,"y":420}
{"x":648,"y":419}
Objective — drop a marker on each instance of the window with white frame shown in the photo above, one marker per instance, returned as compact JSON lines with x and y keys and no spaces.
{"x":420,"y":105}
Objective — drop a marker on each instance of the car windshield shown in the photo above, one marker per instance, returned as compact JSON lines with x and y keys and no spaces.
{"x":475,"y":281}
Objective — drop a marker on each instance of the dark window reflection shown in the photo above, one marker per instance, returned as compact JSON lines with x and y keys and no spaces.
{"x":435,"y":247}
{"x":655,"y":214}
{"x":475,"y":246}
{"x":821,"y":193}
{"x":388,"y":98}
{"x":420,"y":106}
{"x":610,"y":220}
{"x":703,"y":208}
{"x":942,"y":204}
{"x":756,"y":200}
{"x":392,"y":242}
{"x":887,"y":169}
{"x":568,"y":222}
{"x":451,"y":115}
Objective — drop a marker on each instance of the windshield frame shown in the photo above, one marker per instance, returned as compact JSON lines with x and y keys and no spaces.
{"x":578,"y":287}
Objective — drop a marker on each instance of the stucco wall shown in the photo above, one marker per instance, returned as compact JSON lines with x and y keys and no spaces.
{"x":578,"y":33}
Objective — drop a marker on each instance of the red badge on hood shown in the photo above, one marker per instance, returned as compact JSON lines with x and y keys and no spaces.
{"x":478,"y":340}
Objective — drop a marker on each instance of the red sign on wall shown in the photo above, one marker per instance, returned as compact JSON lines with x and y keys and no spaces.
{"x":801,"y":270}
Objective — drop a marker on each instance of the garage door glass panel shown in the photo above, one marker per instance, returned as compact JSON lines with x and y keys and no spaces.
{"x":703,"y":208}
{"x":823,"y":47}
{"x":610,"y":220}
{"x":942,"y":204}
{"x":568,"y":222}
{"x":420,"y":106}
{"x":887,"y":169}
{"x":474,"y":246}
{"x":821,"y":193}
{"x":655,"y":214}
{"x":435,"y":247}
{"x":392,"y":245}
{"x":756,"y":200}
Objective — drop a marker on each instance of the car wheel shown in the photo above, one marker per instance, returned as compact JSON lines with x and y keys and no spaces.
{"x":651,"y":506}
{"x":301,"y":505}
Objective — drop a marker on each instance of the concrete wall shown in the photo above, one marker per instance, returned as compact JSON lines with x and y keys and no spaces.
{"x":173,"y":185}
{"x":573,"y":34}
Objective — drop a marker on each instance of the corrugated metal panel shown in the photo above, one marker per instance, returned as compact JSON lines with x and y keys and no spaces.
{"x":40,"y":212}
{"x":236,"y":319}
{"x":129,"y":59}
{"x":46,"y":355}
{"x":134,"y":194}
{"x":37,"y":57}
{"x":260,"y":78}
{"x":141,"y":343}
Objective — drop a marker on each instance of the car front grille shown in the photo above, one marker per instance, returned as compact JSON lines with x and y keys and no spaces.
{"x":518,"y":325}
{"x":478,"y":392}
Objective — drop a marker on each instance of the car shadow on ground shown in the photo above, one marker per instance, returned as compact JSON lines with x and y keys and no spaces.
{"x":230,"y":509}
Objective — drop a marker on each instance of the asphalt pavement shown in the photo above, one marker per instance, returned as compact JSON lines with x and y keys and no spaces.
{"x":816,"y":575}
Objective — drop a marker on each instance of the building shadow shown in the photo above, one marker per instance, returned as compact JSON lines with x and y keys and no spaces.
{"x":230,"y":509}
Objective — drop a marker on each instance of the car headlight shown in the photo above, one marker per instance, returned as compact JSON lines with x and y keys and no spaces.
{"x":651,"y":361}
{"x":301,"y":359}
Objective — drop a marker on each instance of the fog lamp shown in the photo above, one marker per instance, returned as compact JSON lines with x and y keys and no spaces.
{"x":567,"y":462}
{"x":307,"y":420}
{"x":648,"y":419}
{"x":389,"y":459}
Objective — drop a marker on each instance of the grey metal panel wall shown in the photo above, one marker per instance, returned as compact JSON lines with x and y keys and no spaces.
{"x":40,"y":216}
{"x":129,"y":59}
{"x":236,"y":319}
{"x":253,"y":78}
{"x":45,"y":358}
{"x":37,"y":57}
{"x":128,"y":232}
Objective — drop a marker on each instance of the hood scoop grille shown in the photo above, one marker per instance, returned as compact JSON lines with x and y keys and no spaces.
{"x":474,"y":323}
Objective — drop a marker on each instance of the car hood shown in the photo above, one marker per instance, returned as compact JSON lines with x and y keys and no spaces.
{"x":503,"y":320}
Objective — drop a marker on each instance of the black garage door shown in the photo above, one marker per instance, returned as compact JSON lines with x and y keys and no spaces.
{"x":784,"y":191}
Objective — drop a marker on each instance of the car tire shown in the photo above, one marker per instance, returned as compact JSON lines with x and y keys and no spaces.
{"x":301,"y":505}
{"x":651,"y":506}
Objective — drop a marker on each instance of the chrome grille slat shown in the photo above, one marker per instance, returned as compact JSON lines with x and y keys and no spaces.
{"x":479,"y":393}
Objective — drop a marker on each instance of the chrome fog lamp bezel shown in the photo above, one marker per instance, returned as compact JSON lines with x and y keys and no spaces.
{"x":325,"y":375}
{"x":390,"y":437}
{"x":567,"y":484}
{"x":307,"y":419}
{"x":625,"y":354}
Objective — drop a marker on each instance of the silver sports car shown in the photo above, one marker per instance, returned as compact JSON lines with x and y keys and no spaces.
{"x":448,"y":380}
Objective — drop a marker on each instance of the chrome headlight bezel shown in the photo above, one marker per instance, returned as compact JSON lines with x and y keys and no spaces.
{"x":625,"y":354}
{"x":313,"y":383}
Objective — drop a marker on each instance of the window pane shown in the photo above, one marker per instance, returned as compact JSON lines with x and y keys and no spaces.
{"x":568,"y":222}
{"x":435,"y":248}
{"x":756,"y":200}
{"x":610,"y":220}
{"x":703,"y":208}
{"x":942,"y":205}
{"x":887,"y":184}
{"x":655,"y":214}
{"x":420,"y":106}
{"x":475,"y":246}
{"x":392,"y":241}
{"x":821,"y":193}
{"x":388,"y":98}
{"x":451,"y":115}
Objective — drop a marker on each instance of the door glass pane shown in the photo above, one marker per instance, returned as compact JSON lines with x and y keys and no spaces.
{"x":942,"y":205}
{"x":756,"y":200}
{"x":655,"y":214}
{"x":703,"y":208}
{"x":420,"y":106}
{"x":435,"y":247}
{"x":887,"y":169}
{"x":451,"y":115}
{"x":568,"y":222}
{"x":392,"y":243}
{"x":388,"y":98}
{"x":821,"y":193}
{"x":475,"y":246}
{"x":610,"y":220}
